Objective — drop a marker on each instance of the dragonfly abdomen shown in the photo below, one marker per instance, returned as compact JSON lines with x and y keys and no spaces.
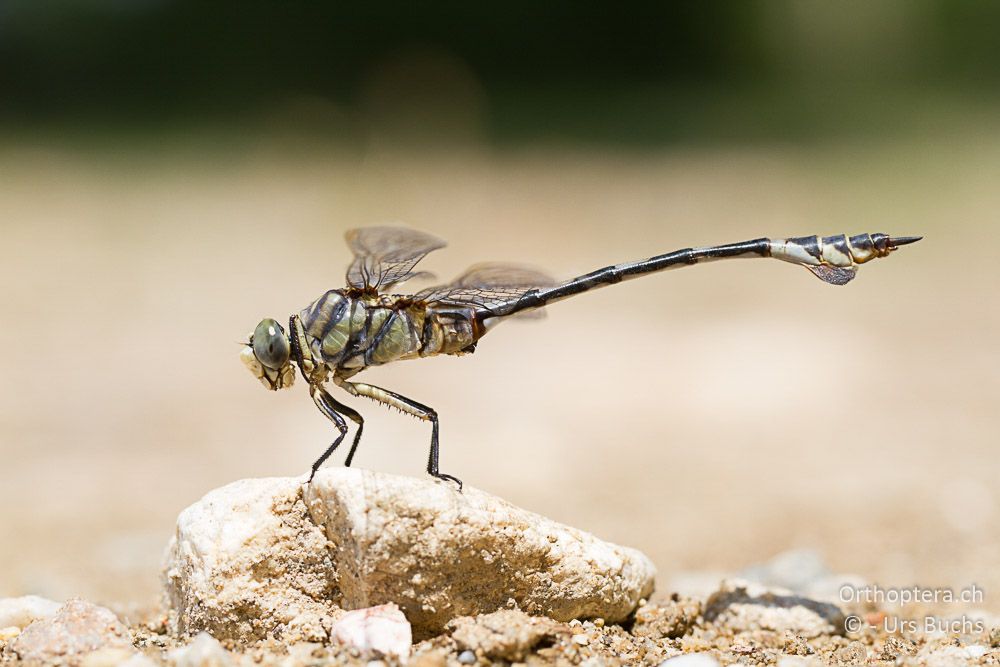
{"x":833,"y":259}
{"x":841,"y":251}
{"x":449,"y":329}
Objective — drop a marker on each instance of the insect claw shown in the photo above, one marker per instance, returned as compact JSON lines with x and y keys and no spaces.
{"x":895,"y":242}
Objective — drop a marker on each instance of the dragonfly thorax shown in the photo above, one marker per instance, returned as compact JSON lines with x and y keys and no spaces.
{"x":347,"y":331}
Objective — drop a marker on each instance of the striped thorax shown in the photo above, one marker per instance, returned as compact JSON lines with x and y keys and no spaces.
{"x":349,"y":332}
{"x":346,"y":331}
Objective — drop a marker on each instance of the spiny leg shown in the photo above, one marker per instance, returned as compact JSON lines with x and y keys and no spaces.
{"x":326,"y":404}
{"x":355,"y":417}
{"x":410,"y":407}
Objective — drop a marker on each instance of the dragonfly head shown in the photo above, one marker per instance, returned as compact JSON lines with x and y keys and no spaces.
{"x":267,"y":354}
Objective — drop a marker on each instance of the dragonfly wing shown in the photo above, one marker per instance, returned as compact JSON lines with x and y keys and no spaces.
{"x":503,"y":274}
{"x":489,"y":286}
{"x":835,"y":275}
{"x":386,"y":256}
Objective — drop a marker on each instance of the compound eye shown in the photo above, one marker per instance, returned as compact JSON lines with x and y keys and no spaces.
{"x":270,"y":345}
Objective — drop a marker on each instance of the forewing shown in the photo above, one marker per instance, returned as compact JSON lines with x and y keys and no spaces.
{"x":489,"y":286}
{"x":386,"y":256}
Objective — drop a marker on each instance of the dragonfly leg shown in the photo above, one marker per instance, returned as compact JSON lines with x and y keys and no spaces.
{"x":355,"y":417}
{"x":410,"y":407}
{"x":327,"y":405}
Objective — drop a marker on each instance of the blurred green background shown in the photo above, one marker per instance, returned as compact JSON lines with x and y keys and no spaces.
{"x":634,"y":73}
{"x":172,"y":172}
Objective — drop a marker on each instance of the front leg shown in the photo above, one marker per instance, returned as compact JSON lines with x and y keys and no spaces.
{"x":327,"y":405}
{"x":355,"y":417}
{"x":410,"y":407}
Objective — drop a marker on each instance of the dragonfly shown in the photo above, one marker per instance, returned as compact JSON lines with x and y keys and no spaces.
{"x":367,"y":323}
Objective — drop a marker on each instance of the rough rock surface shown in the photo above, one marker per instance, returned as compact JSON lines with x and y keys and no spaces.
{"x":440,"y":554}
{"x":246,"y":562}
{"x":670,"y":619}
{"x":507,"y":634}
{"x":79,"y":628}
{"x":275,"y":557}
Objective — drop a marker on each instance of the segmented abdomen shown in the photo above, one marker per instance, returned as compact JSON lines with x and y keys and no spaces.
{"x":841,"y":251}
{"x":351,"y":333}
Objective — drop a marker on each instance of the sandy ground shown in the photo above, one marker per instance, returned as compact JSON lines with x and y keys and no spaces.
{"x":711,"y":417}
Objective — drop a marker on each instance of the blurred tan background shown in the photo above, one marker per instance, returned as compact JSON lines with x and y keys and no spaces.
{"x":712,"y":416}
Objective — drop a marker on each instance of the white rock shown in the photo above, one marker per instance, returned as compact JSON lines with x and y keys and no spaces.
{"x":246,"y":562}
{"x":742,"y":606}
{"x":383,"y":630}
{"x":691,"y":660}
{"x":76,"y":630}
{"x":440,"y":554}
{"x":203,"y":651}
{"x":258,"y":557}
{"x":21,"y":612}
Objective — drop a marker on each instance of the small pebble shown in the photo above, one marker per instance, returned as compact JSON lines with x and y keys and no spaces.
{"x":976,"y":650}
{"x":467,"y":657}
{"x":582,"y":640}
{"x":794,"y":661}
{"x":383,"y":629}
{"x":203,"y":651}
